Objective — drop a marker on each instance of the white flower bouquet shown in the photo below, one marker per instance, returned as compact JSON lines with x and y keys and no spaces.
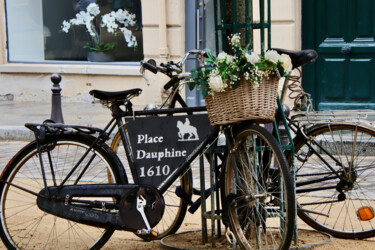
{"x":114,"y":22}
{"x":240,"y":87}
{"x":226,"y":70}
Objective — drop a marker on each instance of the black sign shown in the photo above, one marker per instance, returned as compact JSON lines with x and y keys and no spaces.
{"x":160,"y":144}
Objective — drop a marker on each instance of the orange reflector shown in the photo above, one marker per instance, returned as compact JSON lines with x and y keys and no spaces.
{"x":365,"y":213}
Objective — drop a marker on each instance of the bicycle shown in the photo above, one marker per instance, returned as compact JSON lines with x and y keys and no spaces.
{"x":68,"y":188}
{"x":334,"y":167}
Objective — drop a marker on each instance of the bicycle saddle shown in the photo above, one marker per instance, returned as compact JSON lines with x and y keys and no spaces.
{"x":299,"y":58}
{"x":116,"y":95}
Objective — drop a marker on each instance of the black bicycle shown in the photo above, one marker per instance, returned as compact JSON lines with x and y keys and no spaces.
{"x":335,"y":172}
{"x":334,"y":164}
{"x":69,"y":189}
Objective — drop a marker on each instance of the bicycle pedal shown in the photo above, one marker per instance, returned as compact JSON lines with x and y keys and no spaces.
{"x":154,"y":233}
{"x":148,"y":232}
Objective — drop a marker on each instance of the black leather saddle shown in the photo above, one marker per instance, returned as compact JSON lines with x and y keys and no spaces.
{"x":299,"y":58}
{"x":116,"y":95}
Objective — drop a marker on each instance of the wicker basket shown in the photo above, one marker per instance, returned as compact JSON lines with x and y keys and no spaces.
{"x":244,"y":103}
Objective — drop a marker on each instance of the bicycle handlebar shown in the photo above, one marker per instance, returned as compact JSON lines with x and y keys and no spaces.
{"x":201,"y":53}
{"x":171,"y":67}
{"x":150,"y":67}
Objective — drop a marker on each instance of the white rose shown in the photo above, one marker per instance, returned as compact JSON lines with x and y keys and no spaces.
{"x":222,"y":56}
{"x":252,"y":58}
{"x":272,"y":56}
{"x":216,"y":83}
{"x":287,"y":63}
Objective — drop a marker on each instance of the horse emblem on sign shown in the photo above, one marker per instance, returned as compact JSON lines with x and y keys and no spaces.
{"x":184,"y":128}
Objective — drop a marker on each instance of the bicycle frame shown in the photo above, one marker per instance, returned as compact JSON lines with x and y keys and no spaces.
{"x":117,"y":121}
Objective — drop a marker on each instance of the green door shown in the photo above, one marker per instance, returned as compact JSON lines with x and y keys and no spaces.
{"x":343,"y":34}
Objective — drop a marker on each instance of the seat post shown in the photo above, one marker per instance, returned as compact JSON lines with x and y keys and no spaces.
{"x":284,"y":90}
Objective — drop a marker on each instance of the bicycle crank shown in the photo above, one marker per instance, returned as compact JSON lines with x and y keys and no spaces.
{"x":141,"y":209}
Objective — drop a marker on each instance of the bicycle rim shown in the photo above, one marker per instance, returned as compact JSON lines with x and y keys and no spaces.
{"x":343,"y":208}
{"x":23,"y":224}
{"x":175,"y":207}
{"x":259,"y":192}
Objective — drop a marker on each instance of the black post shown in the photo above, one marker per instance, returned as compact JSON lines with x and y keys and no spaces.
{"x":56,"y":110}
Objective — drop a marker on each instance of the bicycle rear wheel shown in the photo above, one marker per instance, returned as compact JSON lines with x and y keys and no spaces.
{"x":23,"y":224}
{"x":259,"y":191}
{"x":343,"y":208}
{"x":175,"y":207}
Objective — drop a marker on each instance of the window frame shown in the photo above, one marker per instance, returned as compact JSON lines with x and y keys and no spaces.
{"x":130,"y":68}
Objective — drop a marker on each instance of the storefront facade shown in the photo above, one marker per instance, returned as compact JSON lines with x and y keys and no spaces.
{"x":33,"y":45}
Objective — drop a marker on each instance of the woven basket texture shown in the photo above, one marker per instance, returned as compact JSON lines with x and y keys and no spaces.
{"x":244,"y":103}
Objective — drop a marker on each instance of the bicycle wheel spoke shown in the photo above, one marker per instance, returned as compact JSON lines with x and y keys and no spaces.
{"x":262,"y":210}
{"x":24,"y":225}
{"x":337,"y":209}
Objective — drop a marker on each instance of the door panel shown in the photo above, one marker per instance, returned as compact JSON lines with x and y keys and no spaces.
{"x":344,"y":37}
{"x":332,"y":68}
{"x":359,"y":78}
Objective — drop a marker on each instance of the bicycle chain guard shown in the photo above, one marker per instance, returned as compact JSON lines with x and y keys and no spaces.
{"x":79,"y":203}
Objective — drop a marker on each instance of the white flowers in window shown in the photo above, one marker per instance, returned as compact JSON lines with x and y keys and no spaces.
{"x":114,"y":21}
{"x":93,"y":9}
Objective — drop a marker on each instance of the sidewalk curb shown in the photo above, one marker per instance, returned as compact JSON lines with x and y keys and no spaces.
{"x":21,"y":133}
{"x":16,"y":133}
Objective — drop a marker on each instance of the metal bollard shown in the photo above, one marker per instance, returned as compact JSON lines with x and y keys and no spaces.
{"x":56,"y":110}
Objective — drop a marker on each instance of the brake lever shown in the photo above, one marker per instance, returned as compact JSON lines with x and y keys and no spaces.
{"x":142,"y":71}
{"x":176,"y":69}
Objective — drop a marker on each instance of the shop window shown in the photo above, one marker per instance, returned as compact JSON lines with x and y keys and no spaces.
{"x":34,"y":31}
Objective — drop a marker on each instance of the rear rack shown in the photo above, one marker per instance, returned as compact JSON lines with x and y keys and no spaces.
{"x":54,"y":128}
{"x":336,"y":116}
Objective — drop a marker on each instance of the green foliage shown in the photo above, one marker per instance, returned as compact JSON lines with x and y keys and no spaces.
{"x":101,"y":47}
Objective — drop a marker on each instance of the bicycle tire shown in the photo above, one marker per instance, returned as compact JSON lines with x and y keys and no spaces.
{"x":254,"y":194}
{"x":349,"y":144}
{"x":175,"y":207}
{"x":23,"y":224}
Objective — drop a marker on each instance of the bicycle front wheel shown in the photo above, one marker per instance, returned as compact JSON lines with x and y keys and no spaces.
{"x":175,"y":207}
{"x":335,"y":166}
{"x":259,"y":191}
{"x":23,"y":224}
